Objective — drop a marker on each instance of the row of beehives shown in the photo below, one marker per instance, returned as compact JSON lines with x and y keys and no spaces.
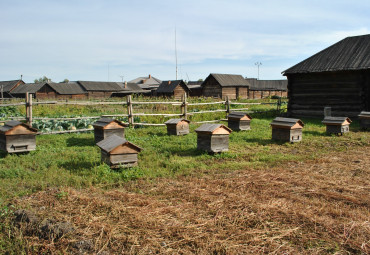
{"x":109,"y":135}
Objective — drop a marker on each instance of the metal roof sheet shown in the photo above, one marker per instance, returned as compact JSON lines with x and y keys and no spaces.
{"x":336,"y":120}
{"x":364,"y":114}
{"x":70,"y":88}
{"x":286,"y":122}
{"x":175,"y":121}
{"x":209,"y":128}
{"x":351,"y":53}
{"x":102,"y":122}
{"x":238,"y":115}
{"x":113,"y":141}
{"x":229,"y":80}
{"x":12,"y":124}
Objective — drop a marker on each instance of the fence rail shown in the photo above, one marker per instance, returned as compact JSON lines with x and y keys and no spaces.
{"x":29,"y":103}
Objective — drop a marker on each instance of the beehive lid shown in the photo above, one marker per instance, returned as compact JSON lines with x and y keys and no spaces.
{"x":336,"y":121}
{"x":365,"y":115}
{"x":239,"y":115}
{"x":175,"y":121}
{"x":112,"y":142}
{"x":105,"y":122}
{"x":213,"y":129}
{"x":287,"y":123}
{"x":17,"y":127}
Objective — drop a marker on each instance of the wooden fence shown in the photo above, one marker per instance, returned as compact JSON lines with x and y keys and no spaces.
{"x":29,"y":103}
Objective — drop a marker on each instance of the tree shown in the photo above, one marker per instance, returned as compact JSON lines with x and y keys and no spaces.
{"x":200,"y":80}
{"x":65,"y":81}
{"x":42,"y":79}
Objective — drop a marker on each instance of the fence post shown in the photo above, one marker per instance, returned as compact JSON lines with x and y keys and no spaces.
{"x":184,"y":107}
{"x":29,"y":108}
{"x":129,"y":111}
{"x":227,"y":104}
{"x":278,"y":105}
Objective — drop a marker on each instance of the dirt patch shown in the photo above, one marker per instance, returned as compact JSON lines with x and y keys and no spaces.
{"x":312,"y":207}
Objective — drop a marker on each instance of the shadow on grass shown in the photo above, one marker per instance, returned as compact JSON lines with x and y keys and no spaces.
{"x":264,"y":141}
{"x":77,"y":166}
{"x":314,"y":133}
{"x":188,"y":152}
{"x":76,"y":141}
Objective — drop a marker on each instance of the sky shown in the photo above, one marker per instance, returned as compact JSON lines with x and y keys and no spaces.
{"x":120,"y":40}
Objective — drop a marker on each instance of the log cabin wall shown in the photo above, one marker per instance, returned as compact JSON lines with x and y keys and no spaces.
{"x":178,"y":92}
{"x":45,"y":93}
{"x":229,"y":92}
{"x":346,"y":92}
{"x":242,"y":92}
{"x":211,"y":88}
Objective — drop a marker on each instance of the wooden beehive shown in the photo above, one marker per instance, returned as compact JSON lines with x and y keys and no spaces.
{"x":239,"y":121}
{"x":177,"y":126}
{"x":287,"y":129}
{"x":213,"y":137}
{"x":364,"y":120}
{"x":337,"y":125}
{"x":16,"y":136}
{"x":106,"y":127}
{"x":118,"y":152}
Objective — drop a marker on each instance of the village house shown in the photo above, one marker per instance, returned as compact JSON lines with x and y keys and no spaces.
{"x":176,"y":89}
{"x":6,"y":87}
{"x":225,"y":85}
{"x":336,"y":77}
{"x":267,"y":88}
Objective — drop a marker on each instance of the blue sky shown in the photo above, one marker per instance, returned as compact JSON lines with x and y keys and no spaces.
{"x":103,"y":40}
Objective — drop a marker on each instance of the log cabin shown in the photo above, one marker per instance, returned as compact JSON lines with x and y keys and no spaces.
{"x":175,"y":88}
{"x":6,"y":87}
{"x":267,"y":88}
{"x":100,"y":89}
{"x":336,"y":77}
{"x":225,"y":85}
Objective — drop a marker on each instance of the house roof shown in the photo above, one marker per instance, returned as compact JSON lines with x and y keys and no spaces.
{"x":9,"y":85}
{"x":351,"y":53}
{"x":175,"y":121}
{"x":131,"y":87}
{"x":209,"y":128}
{"x":113,"y":141}
{"x":286,"y":122}
{"x":12,"y":124}
{"x":27,"y":87}
{"x":102,"y":122}
{"x":147,"y":82}
{"x":70,"y":88}
{"x":100,"y":86}
{"x":238,"y":115}
{"x":336,"y":120}
{"x":268,"y":85}
{"x":229,"y":80}
{"x":169,"y":86}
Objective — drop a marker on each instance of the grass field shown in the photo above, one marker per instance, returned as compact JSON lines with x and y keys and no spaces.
{"x":259,"y":197}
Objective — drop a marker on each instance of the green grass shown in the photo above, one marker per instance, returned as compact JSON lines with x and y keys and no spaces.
{"x":74,"y":160}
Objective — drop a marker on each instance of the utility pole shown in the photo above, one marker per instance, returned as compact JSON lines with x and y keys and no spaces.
{"x":176,"y":53}
{"x":121,"y":77}
{"x":258,"y":64}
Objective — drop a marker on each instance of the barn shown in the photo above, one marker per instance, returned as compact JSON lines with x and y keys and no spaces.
{"x":267,"y":88}
{"x":6,"y":87}
{"x":176,"y":89}
{"x":100,"y":89}
{"x":225,"y":85}
{"x":336,"y":77}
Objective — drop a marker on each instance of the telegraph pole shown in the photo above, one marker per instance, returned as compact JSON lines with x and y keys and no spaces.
{"x":258,"y":64}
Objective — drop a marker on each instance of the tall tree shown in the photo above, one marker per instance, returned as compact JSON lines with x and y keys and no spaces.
{"x":42,"y":79}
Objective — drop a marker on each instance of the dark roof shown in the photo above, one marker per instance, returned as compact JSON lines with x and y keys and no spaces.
{"x":351,"y":53}
{"x":209,"y":128}
{"x":131,"y":87}
{"x":238,"y":115}
{"x":286,"y":122}
{"x":13,"y":123}
{"x":364,"y":114}
{"x":169,"y":86}
{"x":195,"y":83}
{"x":9,"y":85}
{"x":70,"y":88}
{"x":102,"y":122}
{"x":336,"y":120}
{"x":268,"y":85}
{"x":100,"y":86}
{"x":113,"y":141}
{"x":229,"y":80}
{"x":27,"y":87}
{"x":175,"y":121}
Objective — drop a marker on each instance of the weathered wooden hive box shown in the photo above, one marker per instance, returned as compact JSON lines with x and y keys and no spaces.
{"x":177,"y":126}
{"x":106,"y":127}
{"x":239,"y":121}
{"x":337,"y":125}
{"x":364,"y":119}
{"x":16,"y":136}
{"x":213,"y":137}
{"x":118,"y":152}
{"x":287,"y":129}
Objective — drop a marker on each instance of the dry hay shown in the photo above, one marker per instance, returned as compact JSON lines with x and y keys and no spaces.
{"x":311,"y":207}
